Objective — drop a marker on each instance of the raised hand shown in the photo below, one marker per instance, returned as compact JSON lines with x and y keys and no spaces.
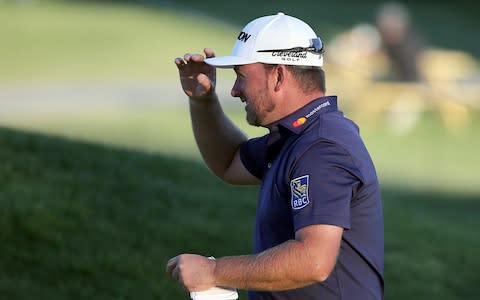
{"x":197,"y":77}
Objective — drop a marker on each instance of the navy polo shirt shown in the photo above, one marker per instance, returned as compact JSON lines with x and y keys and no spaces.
{"x":315,"y":169}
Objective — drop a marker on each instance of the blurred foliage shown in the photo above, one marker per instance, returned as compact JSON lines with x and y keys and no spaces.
{"x":439,"y":21}
{"x":107,"y":40}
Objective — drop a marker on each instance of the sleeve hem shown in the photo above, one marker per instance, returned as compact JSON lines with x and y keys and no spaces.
{"x":326,"y":220}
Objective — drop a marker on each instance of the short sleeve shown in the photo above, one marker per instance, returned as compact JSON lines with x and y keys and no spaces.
{"x":322,"y":182}
{"x":253,"y":154}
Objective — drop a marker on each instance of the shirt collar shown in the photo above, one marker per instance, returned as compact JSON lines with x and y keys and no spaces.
{"x":300,"y":119}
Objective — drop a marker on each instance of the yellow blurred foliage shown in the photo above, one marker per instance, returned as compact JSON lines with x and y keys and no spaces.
{"x":451,"y":85}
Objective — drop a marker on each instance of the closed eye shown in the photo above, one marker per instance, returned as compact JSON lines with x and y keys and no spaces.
{"x":237,"y":71}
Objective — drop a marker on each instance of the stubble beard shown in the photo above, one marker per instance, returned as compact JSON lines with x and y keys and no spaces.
{"x":258,"y":109}
{"x":251,"y":117}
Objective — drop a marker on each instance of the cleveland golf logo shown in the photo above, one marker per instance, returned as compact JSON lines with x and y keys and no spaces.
{"x":290,"y":55}
{"x":299,"y":191}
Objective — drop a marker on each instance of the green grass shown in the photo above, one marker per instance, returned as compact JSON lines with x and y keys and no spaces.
{"x":80,"y":221}
{"x":94,"y":209}
{"x":430,"y":245}
{"x":162,"y":129}
{"x":83,"y":221}
{"x":330,"y":18}
{"x":55,"y":41}
{"x":103,"y":40}
{"x":427,"y":157}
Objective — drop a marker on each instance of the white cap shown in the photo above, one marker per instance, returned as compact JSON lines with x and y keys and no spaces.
{"x":276,"y":39}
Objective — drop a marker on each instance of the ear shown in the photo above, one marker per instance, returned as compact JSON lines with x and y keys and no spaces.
{"x":279,"y":77}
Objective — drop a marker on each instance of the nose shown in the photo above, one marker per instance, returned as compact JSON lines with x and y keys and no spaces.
{"x":235,"y":92}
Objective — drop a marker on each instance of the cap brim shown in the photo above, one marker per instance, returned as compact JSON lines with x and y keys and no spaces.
{"x":228,"y":61}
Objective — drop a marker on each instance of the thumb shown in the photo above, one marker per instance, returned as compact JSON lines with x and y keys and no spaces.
{"x":171,"y":265}
{"x":204,"y":84}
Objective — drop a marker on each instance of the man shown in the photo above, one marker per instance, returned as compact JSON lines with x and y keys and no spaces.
{"x":319,"y":223}
{"x":401,"y":43}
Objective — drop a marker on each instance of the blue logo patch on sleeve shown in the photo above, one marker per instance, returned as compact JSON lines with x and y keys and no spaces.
{"x":299,"y":191}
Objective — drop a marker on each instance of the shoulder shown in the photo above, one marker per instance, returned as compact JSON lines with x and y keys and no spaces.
{"x":334,"y":142}
{"x":331,"y":133}
{"x":322,"y":152}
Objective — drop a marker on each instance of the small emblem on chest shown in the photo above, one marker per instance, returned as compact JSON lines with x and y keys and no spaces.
{"x":299,"y":191}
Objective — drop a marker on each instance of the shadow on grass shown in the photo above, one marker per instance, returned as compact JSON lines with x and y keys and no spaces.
{"x":84,"y":221}
{"x":428,"y":237}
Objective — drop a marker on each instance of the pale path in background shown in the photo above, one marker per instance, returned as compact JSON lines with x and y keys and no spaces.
{"x":47,"y":98}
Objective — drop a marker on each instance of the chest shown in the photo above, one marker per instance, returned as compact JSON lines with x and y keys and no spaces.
{"x":274,"y":219}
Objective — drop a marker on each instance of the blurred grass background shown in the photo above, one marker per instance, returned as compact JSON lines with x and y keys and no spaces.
{"x":101,"y":183}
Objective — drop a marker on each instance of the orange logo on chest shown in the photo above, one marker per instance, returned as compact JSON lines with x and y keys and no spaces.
{"x":299,"y":122}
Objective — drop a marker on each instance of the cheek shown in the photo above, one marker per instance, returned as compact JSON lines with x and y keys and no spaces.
{"x":251,"y":87}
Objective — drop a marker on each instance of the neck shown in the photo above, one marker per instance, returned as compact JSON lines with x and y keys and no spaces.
{"x":289,"y":104}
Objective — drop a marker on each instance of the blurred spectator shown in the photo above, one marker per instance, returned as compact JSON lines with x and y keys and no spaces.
{"x":400,"y":42}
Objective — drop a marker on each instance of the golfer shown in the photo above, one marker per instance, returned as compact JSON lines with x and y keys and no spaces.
{"x":319,"y":220}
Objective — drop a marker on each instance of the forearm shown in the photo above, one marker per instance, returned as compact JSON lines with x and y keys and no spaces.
{"x":217,"y":137}
{"x":308,"y":259}
{"x":287,"y":266}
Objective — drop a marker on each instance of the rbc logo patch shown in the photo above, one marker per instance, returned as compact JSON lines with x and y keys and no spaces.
{"x":299,"y":191}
